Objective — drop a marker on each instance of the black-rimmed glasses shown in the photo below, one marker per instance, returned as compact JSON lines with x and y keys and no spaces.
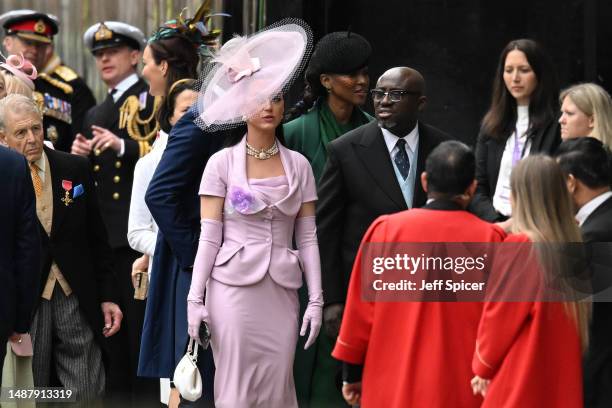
{"x":395,"y":95}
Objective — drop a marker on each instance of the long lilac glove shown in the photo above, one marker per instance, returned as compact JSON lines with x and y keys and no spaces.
{"x":210,"y":242}
{"x":308,"y":247}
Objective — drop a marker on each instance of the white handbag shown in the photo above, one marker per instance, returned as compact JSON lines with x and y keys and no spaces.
{"x":187,"y":379}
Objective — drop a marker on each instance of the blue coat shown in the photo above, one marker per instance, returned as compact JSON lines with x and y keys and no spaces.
{"x":172,"y":198}
{"x":19,"y":246}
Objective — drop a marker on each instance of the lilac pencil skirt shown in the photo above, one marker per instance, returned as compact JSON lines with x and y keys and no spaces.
{"x":254,"y":332}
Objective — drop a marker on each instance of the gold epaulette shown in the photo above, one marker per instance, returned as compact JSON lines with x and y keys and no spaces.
{"x":129,"y":118}
{"x":57,"y":83}
{"x":66,"y":73}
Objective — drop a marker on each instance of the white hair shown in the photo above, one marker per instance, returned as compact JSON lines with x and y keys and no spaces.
{"x":16,"y":103}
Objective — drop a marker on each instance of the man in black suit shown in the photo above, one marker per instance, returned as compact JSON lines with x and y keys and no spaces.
{"x":77,"y":305}
{"x":61,"y":94}
{"x":117,"y":133}
{"x":19,"y":249}
{"x":587,"y":165}
{"x":370,"y":171}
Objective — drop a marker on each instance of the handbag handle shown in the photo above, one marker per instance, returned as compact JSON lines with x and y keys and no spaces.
{"x":192,"y":350}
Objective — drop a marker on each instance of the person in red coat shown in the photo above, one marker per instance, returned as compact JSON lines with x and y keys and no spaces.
{"x":417,"y":354}
{"x":528,"y":354}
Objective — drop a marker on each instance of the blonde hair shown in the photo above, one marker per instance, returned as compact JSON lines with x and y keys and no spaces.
{"x":14,"y":85}
{"x":542,"y":209}
{"x":593,"y":101}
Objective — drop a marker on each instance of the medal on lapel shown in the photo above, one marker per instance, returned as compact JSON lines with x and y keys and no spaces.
{"x":67,"y":186}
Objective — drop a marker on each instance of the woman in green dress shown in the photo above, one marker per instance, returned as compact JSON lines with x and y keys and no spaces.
{"x":337,"y":84}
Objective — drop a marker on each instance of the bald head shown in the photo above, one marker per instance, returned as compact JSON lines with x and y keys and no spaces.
{"x":411,"y":78}
{"x":398,"y":111}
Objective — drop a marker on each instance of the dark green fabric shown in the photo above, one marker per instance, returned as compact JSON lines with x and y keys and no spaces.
{"x":310,"y":133}
{"x":314,"y":369}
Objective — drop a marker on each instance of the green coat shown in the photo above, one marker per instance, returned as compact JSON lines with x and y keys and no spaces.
{"x":303,"y":135}
{"x":314,"y":369}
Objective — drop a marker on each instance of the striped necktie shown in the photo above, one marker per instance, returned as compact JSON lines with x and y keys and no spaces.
{"x":36,"y":180}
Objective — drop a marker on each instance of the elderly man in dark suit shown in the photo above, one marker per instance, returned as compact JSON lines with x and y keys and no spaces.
{"x":19,"y":250}
{"x":77,"y":305}
{"x":371,"y":171}
{"x":587,"y":165}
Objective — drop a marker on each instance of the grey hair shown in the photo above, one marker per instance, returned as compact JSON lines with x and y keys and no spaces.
{"x":16,"y":103}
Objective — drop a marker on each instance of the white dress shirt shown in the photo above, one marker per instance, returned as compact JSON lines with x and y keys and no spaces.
{"x":120,"y":89}
{"x":501,"y":198}
{"x":123,"y":86}
{"x":412,"y":144}
{"x":142,"y":229}
{"x":587,"y":209}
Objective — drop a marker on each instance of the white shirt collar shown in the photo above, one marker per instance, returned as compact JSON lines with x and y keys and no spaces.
{"x":411,"y":138}
{"x":124,"y":86}
{"x":587,"y":209}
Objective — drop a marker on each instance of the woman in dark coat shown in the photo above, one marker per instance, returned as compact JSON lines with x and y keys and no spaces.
{"x":521,"y":120}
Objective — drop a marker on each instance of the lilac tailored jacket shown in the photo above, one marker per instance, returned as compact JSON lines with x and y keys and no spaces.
{"x":257,"y":238}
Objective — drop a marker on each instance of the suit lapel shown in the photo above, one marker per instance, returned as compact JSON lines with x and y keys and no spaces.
{"x":425,"y":147}
{"x":603,"y":209}
{"x":372,"y":152}
{"x":58,"y":173}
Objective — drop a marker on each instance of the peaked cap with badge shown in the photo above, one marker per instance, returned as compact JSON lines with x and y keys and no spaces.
{"x":130,"y":116}
{"x":60,"y":93}
{"x":108,"y":34}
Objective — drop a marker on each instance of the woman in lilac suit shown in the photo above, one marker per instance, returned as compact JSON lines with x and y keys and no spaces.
{"x":256,"y":197}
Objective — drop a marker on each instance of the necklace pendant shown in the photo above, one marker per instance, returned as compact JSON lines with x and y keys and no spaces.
{"x":262,"y":155}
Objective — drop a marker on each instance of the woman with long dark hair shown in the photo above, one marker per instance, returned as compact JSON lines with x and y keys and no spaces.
{"x":521,"y":120}
{"x":172,"y":55}
{"x":336,"y":87}
{"x":142,"y":229}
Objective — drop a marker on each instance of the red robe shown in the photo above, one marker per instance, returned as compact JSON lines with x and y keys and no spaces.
{"x":415,"y":354}
{"x":531,"y":351}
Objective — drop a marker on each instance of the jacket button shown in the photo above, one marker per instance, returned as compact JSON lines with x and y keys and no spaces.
{"x":118,"y":164}
{"x":97,"y":152}
{"x":97,"y":167}
{"x":116,"y":179}
{"x":115,"y":196}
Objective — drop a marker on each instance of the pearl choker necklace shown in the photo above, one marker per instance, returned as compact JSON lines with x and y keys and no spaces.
{"x":263,"y":154}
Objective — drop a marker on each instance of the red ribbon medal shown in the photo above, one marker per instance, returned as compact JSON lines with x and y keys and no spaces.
{"x":67,"y":185}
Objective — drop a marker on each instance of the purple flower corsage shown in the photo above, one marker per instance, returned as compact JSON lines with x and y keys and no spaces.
{"x":241,"y":200}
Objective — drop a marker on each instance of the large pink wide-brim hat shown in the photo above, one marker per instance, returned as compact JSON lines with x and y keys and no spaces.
{"x":250,"y":71}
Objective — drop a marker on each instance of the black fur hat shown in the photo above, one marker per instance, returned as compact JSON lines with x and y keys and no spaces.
{"x":341,"y":52}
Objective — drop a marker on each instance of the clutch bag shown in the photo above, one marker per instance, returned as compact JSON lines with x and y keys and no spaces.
{"x":187,"y":379}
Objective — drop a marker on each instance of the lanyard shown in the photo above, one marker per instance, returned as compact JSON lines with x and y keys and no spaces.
{"x":518,"y":151}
